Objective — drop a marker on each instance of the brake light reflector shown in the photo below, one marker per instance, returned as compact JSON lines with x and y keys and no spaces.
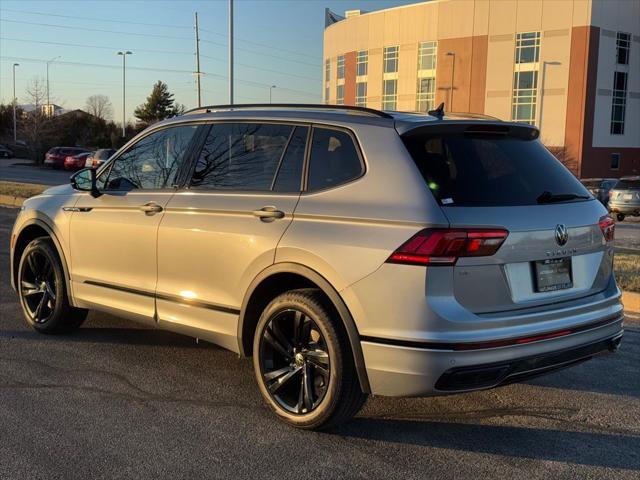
{"x":608,"y":227}
{"x":445,"y":246}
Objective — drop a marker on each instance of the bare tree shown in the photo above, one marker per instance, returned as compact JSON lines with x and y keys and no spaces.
{"x":35,"y":120}
{"x":99,"y":106}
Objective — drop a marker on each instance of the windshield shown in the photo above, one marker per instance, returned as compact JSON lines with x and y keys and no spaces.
{"x":628,"y":185}
{"x":490,"y":170}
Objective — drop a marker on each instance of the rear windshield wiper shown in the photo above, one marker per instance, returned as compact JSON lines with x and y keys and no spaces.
{"x":548,"y":197}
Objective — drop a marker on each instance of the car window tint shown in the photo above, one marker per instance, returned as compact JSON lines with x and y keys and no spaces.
{"x":334,"y":159}
{"x":289,"y":174}
{"x":478,"y":170}
{"x":241,"y":156}
{"x":153,"y":162}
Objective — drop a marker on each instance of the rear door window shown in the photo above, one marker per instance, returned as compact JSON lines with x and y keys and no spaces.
{"x":334,"y":159}
{"x":489,"y":170}
{"x":241,"y":156}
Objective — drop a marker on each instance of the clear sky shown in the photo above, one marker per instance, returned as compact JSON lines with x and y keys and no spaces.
{"x":277,"y":43}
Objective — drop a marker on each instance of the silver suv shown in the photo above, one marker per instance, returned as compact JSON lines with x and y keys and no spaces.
{"x":349,"y":251}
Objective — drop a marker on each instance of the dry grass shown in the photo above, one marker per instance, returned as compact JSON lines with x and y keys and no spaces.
{"x":627,"y":268}
{"x":24,"y":190}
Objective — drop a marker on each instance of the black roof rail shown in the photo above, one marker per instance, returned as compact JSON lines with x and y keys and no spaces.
{"x":309,"y":106}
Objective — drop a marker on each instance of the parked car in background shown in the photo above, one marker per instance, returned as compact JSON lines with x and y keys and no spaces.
{"x":600,"y":187}
{"x":76,"y":162}
{"x":6,"y":152}
{"x":99,"y":157}
{"x":624,"y":198}
{"x":55,"y":156}
{"x":472,"y":260}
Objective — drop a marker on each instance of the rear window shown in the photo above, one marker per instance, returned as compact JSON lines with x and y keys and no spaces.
{"x":628,"y":185}
{"x":593,"y":183}
{"x":489,"y":170}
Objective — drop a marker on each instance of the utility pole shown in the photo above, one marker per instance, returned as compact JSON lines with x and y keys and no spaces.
{"x":198,"y":73}
{"x":230,"y":52}
{"x":48,"y":100}
{"x":270,"y":90}
{"x":15,"y":100}
{"x":124,"y":54}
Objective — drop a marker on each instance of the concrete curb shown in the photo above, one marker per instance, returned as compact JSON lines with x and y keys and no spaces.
{"x":631,"y":301}
{"x":11,"y":201}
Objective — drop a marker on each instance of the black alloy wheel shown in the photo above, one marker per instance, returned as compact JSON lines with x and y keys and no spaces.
{"x":294,"y":360}
{"x":38,"y":286}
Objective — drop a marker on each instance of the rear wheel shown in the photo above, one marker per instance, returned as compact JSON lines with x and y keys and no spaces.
{"x":620,"y":217}
{"x":42,"y":290}
{"x":303,"y":364}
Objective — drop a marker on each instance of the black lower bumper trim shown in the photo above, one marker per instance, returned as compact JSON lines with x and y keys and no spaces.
{"x":502,"y":373}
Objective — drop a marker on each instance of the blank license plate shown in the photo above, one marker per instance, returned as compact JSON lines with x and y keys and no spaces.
{"x":553,"y":274}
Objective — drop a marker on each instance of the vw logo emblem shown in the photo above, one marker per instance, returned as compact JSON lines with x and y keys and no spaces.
{"x":562,"y":235}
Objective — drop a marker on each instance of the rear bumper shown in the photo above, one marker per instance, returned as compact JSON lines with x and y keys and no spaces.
{"x":396,"y":370}
{"x":627,"y":209}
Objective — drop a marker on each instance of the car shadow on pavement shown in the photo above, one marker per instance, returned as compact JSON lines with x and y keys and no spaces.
{"x":111,"y":335}
{"x":608,"y":450}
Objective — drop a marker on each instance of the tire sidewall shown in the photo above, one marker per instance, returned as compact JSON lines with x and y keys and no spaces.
{"x":44,"y":248}
{"x":324,"y":411}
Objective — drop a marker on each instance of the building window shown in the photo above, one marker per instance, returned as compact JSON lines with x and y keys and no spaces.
{"x":327,"y":70}
{"x":619,"y":102}
{"x":340,"y":66}
{"x":427,"y":54}
{"x":340,"y":95}
{"x":615,"y":161}
{"x":623,"y":44}
{"x":426,"y":94}
{"x":525,"y":86}
{"x":527,"y":47}
{"x":390,"y":59}
{"x":326,"y":93}
{"x":389,"y":94}
{"x":361,"y":94}
{"x":362,"y":61}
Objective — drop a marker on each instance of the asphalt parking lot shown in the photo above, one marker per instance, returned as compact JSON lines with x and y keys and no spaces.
{"x":20,"y":170}
{"x":115,"y":400}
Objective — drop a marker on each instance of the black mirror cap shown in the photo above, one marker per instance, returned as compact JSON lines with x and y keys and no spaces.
{"x":81,"y":183}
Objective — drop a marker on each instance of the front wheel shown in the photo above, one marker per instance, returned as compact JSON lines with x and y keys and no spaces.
{"x":42,"y":290}
{"x":303,"y":363}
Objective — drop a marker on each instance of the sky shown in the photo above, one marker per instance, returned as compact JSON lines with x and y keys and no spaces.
{"x":276,"y":43}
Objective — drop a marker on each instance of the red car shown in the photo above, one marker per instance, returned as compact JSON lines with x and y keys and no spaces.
{"x":76,"y":162}
{"x":56,"y":156}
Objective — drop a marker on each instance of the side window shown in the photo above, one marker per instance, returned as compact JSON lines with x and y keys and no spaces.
{"x":241,"y":156}
{"x":153,"y":162}
{"x":289,"y":174}
{"x":334,"y":159}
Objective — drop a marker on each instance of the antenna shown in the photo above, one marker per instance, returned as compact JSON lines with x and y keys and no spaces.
{"x":438,"y":112}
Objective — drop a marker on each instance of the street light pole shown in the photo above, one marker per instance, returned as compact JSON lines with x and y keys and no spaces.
{"x":124,"y":68}
{"x":15,"y":100}
{"x":48,"y":62}
{"x":270,"y":89}
{"x":453,"y":75}
{"x":230,"y":52}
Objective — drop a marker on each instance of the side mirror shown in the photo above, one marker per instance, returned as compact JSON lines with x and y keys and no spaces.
{"x":85,"y":181}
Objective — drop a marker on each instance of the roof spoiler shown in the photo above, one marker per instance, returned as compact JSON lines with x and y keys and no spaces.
{"x":473,"y":127}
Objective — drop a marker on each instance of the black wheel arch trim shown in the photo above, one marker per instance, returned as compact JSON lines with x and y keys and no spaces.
{"x":42,"y":224}
{"x":327,"y":289}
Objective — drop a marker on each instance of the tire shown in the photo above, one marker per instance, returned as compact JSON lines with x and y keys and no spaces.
{"x":620,"y":217}
{"x":318,"y":358}
{"x":43,"y":290}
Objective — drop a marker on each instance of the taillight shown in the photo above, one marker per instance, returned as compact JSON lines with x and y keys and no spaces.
{"x":608,"y":227}
{"x":445,"y":246}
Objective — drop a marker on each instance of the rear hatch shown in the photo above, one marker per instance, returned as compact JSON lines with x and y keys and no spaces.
{"x":500,"y":177}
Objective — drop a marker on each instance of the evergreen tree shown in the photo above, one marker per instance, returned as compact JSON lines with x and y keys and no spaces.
{"x":159,"y":105}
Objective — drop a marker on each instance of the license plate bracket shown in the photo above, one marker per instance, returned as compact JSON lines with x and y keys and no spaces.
{"x":553,"y":274}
